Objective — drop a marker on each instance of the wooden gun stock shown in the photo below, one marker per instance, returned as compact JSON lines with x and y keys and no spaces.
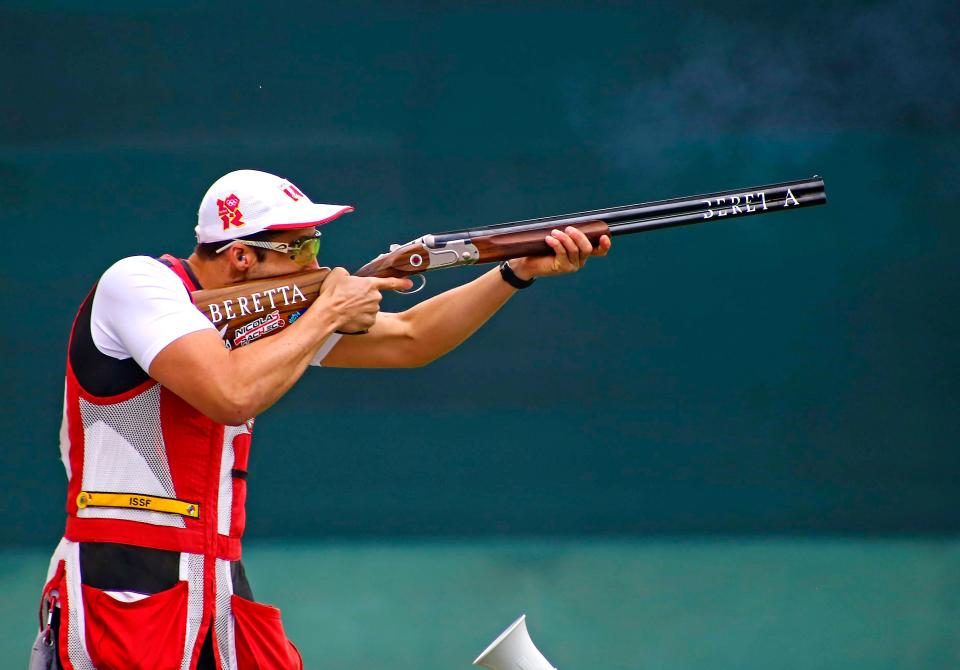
{"x":252,"y":310}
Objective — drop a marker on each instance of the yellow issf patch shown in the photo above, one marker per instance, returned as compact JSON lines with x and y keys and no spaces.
{"x":138,"y":501}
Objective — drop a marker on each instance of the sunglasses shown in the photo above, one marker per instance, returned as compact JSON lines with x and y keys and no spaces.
{"x":301,"y":251}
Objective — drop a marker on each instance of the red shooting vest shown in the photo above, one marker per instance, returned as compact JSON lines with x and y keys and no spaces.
{"x":147,"y":469}
{"x":149,"y":441}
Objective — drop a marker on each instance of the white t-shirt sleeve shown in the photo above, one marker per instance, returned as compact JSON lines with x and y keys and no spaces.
{"x":325,"y":348}
{"x":140,"y":306}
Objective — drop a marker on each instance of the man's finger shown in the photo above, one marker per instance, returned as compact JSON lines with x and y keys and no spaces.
{"x":392,"y":283}
{"x":573,"y":251}
{"x":334,"y":277}
{"x":603,"y":247}
{"x":583,"y":244}
{"x":560,"y":251}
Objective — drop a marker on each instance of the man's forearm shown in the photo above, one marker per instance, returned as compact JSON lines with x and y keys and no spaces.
{"x":429,"y":330}
{"x":443,"y":322}
{"x":232,"y":386}
{"x":267,"y":369}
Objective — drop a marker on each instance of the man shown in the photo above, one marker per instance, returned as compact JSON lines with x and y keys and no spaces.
{"x":158,"y":417}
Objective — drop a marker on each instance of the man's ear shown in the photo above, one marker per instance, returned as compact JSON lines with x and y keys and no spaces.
{"x":240,"y":257}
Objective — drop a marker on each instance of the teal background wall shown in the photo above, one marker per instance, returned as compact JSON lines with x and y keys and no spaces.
{"x":791,"y":373}
{"x":785,"y":377}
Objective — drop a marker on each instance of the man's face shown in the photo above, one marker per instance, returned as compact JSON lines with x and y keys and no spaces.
{"x":276,"y":263}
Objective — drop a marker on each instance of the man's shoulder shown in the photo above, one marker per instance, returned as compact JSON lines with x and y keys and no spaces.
{"x":137,"y":265}
{"x":139,"y":272}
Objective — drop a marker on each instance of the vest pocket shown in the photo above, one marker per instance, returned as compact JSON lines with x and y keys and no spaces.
{"x":261,"y":641}
{"x":140,"y":635}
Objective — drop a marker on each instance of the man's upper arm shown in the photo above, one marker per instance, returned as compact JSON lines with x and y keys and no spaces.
{"x":139,"y":308}
{"x":191,"y":366}
{"x":142,"y":310}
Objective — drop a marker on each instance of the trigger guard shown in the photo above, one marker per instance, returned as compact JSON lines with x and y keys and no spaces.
{"x":423,"y":282}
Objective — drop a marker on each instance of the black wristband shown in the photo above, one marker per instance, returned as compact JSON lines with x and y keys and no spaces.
{"x":511,"y":278}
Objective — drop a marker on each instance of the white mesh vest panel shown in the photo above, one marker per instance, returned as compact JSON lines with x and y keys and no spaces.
{"x":124,"y":453}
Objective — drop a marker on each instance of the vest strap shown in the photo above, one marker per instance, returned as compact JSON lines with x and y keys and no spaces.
{"x":139,"y":501}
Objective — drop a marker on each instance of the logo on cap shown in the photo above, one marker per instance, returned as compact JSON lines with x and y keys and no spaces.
{"x":229,"y":212}
{"x":292,"y":191}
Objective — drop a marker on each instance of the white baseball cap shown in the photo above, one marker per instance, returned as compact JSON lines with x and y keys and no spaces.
{"x":245,"y":202}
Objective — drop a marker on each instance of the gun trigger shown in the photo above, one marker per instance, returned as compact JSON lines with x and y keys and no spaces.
{"x":423,"y":282}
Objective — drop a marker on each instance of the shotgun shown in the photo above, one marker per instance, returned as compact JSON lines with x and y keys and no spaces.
{"x":248,"y":311}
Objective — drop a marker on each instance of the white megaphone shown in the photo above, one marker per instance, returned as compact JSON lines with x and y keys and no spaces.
{"x":514,"y":650}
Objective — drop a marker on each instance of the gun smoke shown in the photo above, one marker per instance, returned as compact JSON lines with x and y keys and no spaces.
{"x":811,"y":70}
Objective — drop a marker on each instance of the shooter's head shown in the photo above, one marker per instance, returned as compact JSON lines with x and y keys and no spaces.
{"x":247,"y":214}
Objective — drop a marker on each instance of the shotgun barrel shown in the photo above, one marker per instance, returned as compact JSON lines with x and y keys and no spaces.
{"x":526,"y":238}
{"x":671,"y":212}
